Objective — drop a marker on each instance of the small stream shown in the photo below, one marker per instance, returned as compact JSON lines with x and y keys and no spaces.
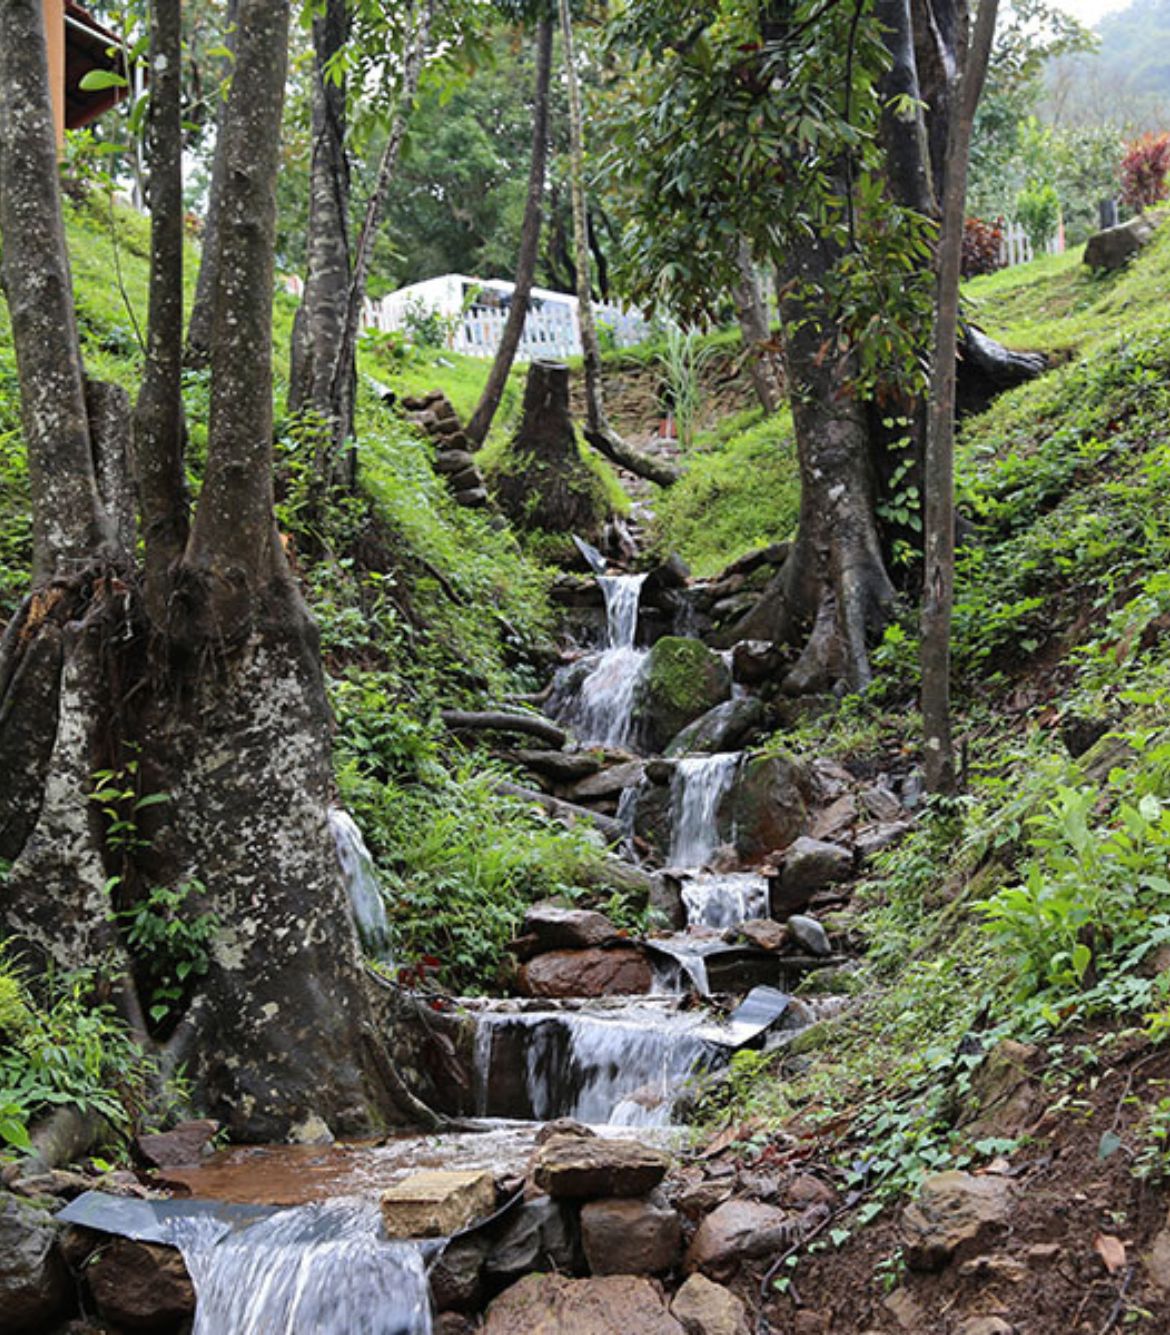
{"x":322,"y":1264}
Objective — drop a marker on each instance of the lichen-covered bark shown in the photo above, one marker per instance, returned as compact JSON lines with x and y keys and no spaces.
{"x":158,"y":417}
{"x":243,"y":750}
{"x":54,"y":905}
{"x":69,"y":521}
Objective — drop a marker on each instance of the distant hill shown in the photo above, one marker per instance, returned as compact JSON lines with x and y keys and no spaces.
{"x":1135,"y":47}
{"x":1126,"y":81}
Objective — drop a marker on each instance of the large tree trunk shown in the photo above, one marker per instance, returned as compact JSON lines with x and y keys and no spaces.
{"x":218,"y":699}
{"x":70,"y":524}
{"x":481,"y":420}
{"x":198,"y":350}
{"x":833,"y":591}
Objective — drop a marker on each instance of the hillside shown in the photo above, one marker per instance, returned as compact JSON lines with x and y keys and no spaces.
{"x":998,"y":999}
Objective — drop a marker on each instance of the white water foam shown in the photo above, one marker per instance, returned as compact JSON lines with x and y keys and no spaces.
{"x":698,"y":786}
{"x":601,"y":710}
{"x":724,"y":899}
{"x":361,"y":884}
{"x":624,"y":1065}
{"x":323,"y":1269}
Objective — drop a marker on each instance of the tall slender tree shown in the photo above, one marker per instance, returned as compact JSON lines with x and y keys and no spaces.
{"x":598,"y":431}
{"x":939,"y":584}
{"x":489,"y":401}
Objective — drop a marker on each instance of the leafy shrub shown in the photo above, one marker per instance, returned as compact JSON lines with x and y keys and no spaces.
{"x":427,"y":326}
{"x":1090,"y":895}
{"x":1144,"y":170}
{"x":981,"y":246}
{"x":1038,"y":212}
{"x":64,"y":1047}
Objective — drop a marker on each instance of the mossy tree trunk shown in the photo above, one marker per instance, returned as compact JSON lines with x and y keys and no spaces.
{"x":209,"y":687}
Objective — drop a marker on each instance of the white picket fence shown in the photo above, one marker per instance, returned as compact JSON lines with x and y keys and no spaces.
{"x":551,"y":329}
{"x":1016,"y":248}
{"x":549,"y":333}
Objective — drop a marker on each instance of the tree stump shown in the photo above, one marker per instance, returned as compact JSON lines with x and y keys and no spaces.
{"x":542,"y":482}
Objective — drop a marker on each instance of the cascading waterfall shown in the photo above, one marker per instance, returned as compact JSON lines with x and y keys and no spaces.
{"x":697,"y":788}
{"x":723,"y":900}
{"x":601,"y":709}
{"x":622,"y":594}
{"x":361,"y":884}
{"x":325,"y":1268}
{"x":622,"y":1065}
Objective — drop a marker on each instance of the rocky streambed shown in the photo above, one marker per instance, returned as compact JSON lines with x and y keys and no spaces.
{"x":566,"y":1201}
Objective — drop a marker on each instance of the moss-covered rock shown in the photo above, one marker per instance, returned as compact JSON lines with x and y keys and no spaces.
{"x":682,"y":681}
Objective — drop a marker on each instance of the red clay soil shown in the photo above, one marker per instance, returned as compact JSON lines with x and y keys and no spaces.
{"x":1074,"y":1258}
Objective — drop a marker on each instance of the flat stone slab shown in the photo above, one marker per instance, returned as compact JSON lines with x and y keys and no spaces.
{"x":575,"y":1168}
{"x":753,"y":1017}
{"x":435,"y":1204}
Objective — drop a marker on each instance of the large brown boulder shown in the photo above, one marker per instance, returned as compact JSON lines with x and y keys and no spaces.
{"x":956,"y":1216}
{"x":606,"y":1305}
{"x":141,"y":1286}
{"x":624,"y":971}
{"x":592,"y":1168}
{"x":630,"y":1236}
{"x":768,"y":806}
{"x":558,"y":928}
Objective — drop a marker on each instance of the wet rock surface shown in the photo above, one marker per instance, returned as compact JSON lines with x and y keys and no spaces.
{"x":34,"y":1283}
{"x":141,"y":1285}
{"x":621,"y":971}
{"x":628,"y":1236}
{"x":683,"y":679}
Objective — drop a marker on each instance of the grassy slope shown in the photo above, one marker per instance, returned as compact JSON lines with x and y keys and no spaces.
{"x":1030,"y":907}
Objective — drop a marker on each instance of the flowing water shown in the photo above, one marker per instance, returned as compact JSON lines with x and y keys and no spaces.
{"x":621,"y":1062}
{"x":322,"y":1269}
{"x":361,"y":884}
{"x":724,"y":899}
{"x":700,"y":783}
{"x":601,"y":709}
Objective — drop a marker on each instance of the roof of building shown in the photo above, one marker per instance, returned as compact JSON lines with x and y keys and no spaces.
{"x":89,"y":46}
